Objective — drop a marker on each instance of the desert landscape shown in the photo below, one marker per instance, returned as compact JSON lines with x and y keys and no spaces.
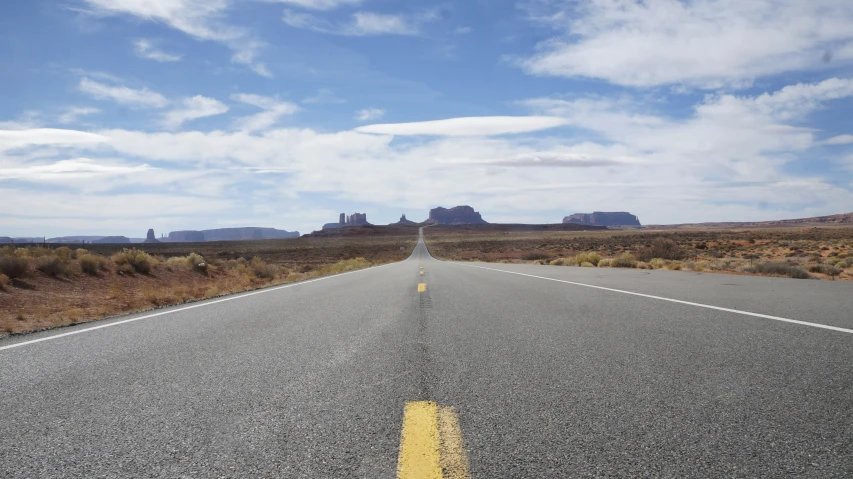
{"x":57,"y":284}
{"x":45,"y":286}
{"x":807,"y":253}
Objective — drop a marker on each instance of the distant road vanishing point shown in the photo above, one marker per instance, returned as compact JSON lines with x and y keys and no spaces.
{"x":434,"y":369}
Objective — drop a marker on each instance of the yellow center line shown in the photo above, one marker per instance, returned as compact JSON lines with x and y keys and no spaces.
{"x":431,"y":445}
{"x":420,"y":450}
{"x":454,"y":459}
{"x":421,"y":287}
{"x":422,"y":273}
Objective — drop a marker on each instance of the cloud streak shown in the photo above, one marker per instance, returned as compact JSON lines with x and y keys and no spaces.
{"x":701,"y":43}
{"x":471,"y":126}
{"x":193,"y":108}
{"x":146,"y":49}
{"x":143,"y":98}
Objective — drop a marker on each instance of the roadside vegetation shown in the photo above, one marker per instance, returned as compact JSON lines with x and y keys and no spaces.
{"x":43,"y":287}
{"x":802,"y":253}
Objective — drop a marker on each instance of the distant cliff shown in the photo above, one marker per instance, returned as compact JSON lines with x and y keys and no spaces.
{"x":112,"y":240}
{"x":403,"y":222}
{"x":355,"y":219}
{"x":230,"y":234}
{"x":458,"y":215}
{"x":603,"y":218}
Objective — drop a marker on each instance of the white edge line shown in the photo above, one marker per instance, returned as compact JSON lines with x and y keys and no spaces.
{"x":199,"y":305}
{"x":700,"y":305}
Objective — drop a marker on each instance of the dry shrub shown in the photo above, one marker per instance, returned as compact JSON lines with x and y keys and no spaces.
{"x":674,"y":266}
{"x":4,"y":281}
{"x":663,"y":248}
{"x":63,"y":252}
{"x":22,"y":253}
{"x":534,"y":255}
{"x":263,"y":270}
{"x":344,"y":266}
{"x":701,"y":266}
{"x":90,"y":264}
{"x":139,"y":261}
{"x":563,"y":262}
{"x":605,"y":263}
{"x":593,"y":258}
{"x":14,"y":267}
{"x":51,"y":266}
{"x":779,"y":269}
{"x":38,"y":252}
{"x":826,"y":269}
{"x":643,"y":265}
{"x":657,"y":263}
{"x":79,"y":252}
{"x":626,"y":260}
{"x":193,"y":260}
{"x":587,"y":264}
{"x":125,"y":269}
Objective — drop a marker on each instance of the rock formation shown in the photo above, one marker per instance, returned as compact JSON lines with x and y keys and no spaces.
{"x":230,"y":234}
{"x":355,"y":219}
{"x":150,"y":238}
{"x":113,"y":240}
{"x":458,"y":215}
{"x":186,"y":236}
{"x":403,"y":222}
{"x":602,"y":218}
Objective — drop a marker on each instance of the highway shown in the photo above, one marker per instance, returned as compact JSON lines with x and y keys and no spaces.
{"x":432,"y":369}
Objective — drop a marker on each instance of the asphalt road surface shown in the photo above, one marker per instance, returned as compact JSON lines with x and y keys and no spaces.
{"x":548,"y":372}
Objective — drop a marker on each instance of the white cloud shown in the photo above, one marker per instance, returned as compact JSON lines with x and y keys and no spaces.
{"x":319,"y":4}
{"x":73,"y":113}
{"x":839,"y":140}
{"x":201,"y":19}
{"x":146,"y":49}
{"x":361,"y":24}
{"x":472,"y":126}
{"x":369,"y":114}
{"x":728,"y":160}
{"x":76,"y":168}
{"x":143,"y":98}
{"x":193,"y":108}
{"x":703,"y":43}
{"x":46,"y":136}
{"x":273,"y":108}
{"x":323,"y":96}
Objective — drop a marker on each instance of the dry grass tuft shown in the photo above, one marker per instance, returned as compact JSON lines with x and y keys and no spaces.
{"x":139,"y":261}
{"x":14,"y":266}
{"x":51,"y":266}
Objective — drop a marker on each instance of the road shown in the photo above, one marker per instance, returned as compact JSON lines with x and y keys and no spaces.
{"x":544,"y":371}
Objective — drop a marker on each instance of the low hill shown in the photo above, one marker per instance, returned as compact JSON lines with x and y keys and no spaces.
{"x":844,"y":219}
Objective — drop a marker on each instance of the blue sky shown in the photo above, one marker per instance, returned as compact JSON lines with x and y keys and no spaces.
{"x":123,"y":115}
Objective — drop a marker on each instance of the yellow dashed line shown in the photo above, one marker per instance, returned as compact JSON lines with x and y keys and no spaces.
{"x":420,"y":450}
{"x":421,"y":287}
{"x":431,"y":445}
{"x":422,"y":273}
{"x":454,"y":459}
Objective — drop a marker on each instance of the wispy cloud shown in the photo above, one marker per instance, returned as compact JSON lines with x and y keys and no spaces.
{"x":146,"y":49}
{"x":839,"y":140}
{"x":73,"y":113}
{"x":369,"y":114}
{"x":319,"y":4}
{"x":46,"y":136}
{"x":323,"y":96}
{"x":201,"y":19}
{"x":193,"y":108}
{"x":273,"y":108}
{"x":702,"y":43}
{"x":471,"y":126}
{"x":143,"y":98}
{"x":76,"y":168}
{"x":360,"y":24}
